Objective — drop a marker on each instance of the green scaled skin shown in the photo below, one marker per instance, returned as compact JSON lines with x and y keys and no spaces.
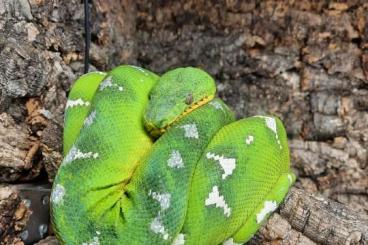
{"x":88,"y":193}
{"x":80,"y":97}
{"x":206,"y":180}
{"x":241,"y":182}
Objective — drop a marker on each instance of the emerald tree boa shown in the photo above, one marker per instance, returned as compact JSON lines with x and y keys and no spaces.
{"x":160,"y":160}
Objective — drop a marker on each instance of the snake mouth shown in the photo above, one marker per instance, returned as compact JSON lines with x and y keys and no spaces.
{"x":157,"y":132}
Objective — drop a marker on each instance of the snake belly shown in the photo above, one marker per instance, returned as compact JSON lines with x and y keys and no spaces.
{"x":206,"y":180}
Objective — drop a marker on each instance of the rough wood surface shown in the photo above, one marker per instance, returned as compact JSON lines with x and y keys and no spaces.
{"x":323,"y":220}
{"x":51,"y":240}
{"x":309,"y":219}
{"x":306,"y":62}
{"x":14,"y":214}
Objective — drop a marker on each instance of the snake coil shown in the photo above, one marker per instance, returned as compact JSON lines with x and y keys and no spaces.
{"x":159,"y":160}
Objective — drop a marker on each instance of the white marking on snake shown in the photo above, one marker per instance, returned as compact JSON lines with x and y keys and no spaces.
{"x":175,"y":160}
{"x":162,"y":198}
{"x":214,"y":198}
{"x":94,"y":242}
{"x":231,"y":242}
{"x":74,"y":154}
{"x":217,"y":105}
{"x":57,"y":194}
{"x":179,"y":239}
{"x":77,"y":102}
{"x":249,"y":139}
{"x":158,"y":228}
{"x":141,"y":70}
{"x":227,"y":164}
{"x":156,"y":224}
{"x":290,"y":178}
{"x":191,"y":130}
{"x":100,"y":72}
{"x":91,"y":117}
{"x":269,"y":206}
{"x":108,"y":82}
{"x":271,"y":124}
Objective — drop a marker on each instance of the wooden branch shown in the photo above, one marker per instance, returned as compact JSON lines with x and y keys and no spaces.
{"x":307,"y":219}
{"x":303,"y":218}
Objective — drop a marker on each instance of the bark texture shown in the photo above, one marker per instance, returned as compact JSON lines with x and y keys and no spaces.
{"x":318,"y":219}
{"x":306,"y":62}
{"x":14,"y":215}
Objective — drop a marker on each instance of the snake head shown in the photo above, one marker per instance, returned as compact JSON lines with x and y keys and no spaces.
{"x":176,"y":93}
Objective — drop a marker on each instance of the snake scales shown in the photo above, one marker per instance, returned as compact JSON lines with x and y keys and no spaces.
{"x":159,"y":160}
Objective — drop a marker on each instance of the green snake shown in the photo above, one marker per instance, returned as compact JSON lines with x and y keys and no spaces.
{"x":160,"y":160}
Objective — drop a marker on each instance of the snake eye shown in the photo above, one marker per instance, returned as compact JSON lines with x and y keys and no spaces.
{"x":189,"y":99}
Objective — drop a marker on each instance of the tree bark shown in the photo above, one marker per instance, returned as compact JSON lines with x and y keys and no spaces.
{"x":317,"y":219}
{"x":306,"y":62}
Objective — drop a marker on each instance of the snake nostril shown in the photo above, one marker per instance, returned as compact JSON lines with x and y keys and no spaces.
{"x":189,"y":99}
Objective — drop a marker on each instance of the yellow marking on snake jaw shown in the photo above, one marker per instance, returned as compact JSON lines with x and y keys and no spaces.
{"x":156,"y":132}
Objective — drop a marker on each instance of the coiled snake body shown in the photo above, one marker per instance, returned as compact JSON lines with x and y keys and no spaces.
{"x":207,"y":179}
